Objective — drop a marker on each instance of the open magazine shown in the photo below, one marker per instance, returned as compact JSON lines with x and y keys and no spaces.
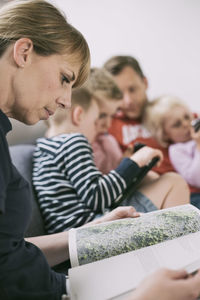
{"x":110,"y":259}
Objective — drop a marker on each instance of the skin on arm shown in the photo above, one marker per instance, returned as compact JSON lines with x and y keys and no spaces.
{"x":167,"y":285}
{"x":56,"y":246}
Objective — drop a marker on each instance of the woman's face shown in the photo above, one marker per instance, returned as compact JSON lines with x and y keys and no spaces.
{"x":177,"y":124}
{"x":41,"y":86}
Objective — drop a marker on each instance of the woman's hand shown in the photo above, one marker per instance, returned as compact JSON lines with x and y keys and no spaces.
{"x":143,"y":156}
{"x":168,"y":285}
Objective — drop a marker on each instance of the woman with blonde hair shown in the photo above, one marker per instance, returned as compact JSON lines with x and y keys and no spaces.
{"x":41,"y":57}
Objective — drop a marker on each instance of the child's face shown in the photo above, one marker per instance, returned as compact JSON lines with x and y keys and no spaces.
{"x":107,"y":108}
{"x":88,"y":124}
{"x":177,"y":124}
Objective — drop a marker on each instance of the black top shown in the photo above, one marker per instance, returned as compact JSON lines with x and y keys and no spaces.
{"x":24,"y":271}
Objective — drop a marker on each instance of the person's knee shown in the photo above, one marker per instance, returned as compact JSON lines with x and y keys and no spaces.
{"x":178,"y":183}
{"x":176,"y":179}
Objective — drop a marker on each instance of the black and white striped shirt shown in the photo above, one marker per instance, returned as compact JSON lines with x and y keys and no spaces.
{"x":70,"y":189}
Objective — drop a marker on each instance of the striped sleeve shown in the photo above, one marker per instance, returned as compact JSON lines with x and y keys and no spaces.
{"x":97,"y":191}
{"x":71,"y":190}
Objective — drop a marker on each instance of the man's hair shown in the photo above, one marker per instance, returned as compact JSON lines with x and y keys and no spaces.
{"x":155,"y":112}
{"x":116,"y":64}
{"x":102,"y":85}
{"x":80,"y":96}
{"x":48,"y":29}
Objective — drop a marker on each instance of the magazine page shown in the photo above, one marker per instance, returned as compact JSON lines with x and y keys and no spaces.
{"x":115,"y":278}
{"x":93,"y":243}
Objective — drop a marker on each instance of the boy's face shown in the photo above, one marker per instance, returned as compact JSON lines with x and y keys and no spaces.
{"x":177,"y":124}
{"x":88,"y":124}
{"x":134,"y":89}
{"x":107,"y":109}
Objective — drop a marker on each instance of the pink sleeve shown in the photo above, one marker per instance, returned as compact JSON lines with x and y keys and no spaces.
{"x":107,"y":153}
{"x":186,"y":161}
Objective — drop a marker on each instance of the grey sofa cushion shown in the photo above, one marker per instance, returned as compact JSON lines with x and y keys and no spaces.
{"x":21,"y":156}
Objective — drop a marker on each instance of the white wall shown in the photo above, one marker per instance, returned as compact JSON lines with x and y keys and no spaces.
{"x":164,"y":35}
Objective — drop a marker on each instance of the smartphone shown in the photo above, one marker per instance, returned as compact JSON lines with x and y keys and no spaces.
{"x":196,"y":124}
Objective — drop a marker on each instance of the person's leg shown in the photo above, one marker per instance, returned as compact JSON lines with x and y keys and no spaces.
{"x":140,"y":202}
{"x":170,"y":189}
{"x":151,"y":176}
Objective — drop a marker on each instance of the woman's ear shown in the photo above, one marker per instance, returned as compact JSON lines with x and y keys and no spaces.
{"x":77,"y":113}
{"x":22,"y":50}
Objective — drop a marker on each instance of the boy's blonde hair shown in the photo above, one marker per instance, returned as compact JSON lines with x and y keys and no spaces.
{"x":154,"y":115}
{"x":102,"y":85}
{"x":80,"y":96}
{"x":48,"y":29}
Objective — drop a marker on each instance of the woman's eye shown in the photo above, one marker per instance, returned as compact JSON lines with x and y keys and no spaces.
{"x":65,"y":79}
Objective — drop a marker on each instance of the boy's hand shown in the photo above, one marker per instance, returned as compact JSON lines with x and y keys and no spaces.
{"x":143,"y":156}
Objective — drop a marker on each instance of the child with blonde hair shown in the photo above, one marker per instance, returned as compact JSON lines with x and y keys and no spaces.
{"x":107,"y":152}
{"x":169,"y":120}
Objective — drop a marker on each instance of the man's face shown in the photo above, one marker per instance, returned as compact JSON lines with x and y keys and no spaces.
{"x":134,"y":92}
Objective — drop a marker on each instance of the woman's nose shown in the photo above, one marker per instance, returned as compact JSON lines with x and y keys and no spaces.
{"x":64,"y":101}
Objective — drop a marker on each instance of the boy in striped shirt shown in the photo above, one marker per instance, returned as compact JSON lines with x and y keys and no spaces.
{"x":70,"y":189}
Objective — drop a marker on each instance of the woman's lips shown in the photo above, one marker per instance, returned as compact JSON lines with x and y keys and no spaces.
{"x":48,"y":113}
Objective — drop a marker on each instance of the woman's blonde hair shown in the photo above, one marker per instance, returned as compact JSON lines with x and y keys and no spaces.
{"x":48,"y":29}
{"x":101,"y":84}
{"x":154,"y":115}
